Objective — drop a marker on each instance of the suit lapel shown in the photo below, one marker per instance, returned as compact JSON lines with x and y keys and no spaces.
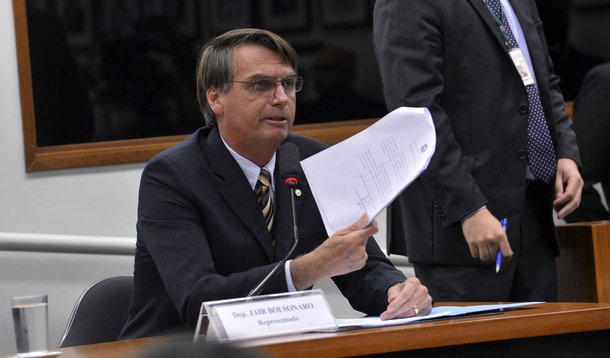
{"x":237,"y":192}
{"x":524,"y":14}
{"x":525,"y":18}
{"x":483,"y":12}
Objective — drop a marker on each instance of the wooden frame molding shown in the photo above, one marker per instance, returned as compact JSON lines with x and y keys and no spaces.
{"x":583,"y":268}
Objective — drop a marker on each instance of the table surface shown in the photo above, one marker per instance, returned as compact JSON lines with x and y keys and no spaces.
{"x":545,"y":319}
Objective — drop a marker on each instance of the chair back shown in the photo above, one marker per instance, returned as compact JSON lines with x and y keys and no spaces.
{"x":100,"y":312}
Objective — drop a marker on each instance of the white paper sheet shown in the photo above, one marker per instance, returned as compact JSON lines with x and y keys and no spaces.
{"x":464,"y":310}
{"x":377,"y":322}
{"x":365,"y":172}
{"x":440,"y":311}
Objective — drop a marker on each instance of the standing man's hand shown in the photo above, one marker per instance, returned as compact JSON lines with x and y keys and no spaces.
{"x":568,"y":187}
{"x":484,"y":235}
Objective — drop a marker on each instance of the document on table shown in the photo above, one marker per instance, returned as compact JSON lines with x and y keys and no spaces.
{"x":377,"y":322}
{"x":365,"y":172}
{"x":437,"y":312}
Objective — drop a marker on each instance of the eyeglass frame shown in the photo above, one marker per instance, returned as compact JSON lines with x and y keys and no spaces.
{"x":298,"y":84}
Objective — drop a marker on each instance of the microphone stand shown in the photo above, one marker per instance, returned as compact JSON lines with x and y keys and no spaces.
{"x":292,"y":183}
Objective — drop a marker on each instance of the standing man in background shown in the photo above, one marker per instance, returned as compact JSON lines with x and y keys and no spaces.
{"x":505,"y":148}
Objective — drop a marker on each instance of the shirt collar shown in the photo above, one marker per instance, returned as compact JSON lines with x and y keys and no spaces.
{"x":251,"y":170}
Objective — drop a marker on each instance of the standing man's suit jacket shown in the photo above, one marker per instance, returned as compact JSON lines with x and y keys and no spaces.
{"x":449,"y":56}
{"x":202,"y":237}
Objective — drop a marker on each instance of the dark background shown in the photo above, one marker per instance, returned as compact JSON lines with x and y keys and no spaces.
{"x":121,"y":69}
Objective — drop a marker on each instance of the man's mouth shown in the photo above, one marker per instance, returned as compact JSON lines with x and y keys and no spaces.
{"x":276,"y":118}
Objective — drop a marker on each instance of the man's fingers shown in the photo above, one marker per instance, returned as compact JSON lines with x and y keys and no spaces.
{"x":474,"y":251}
{"x":407,"y":299}
{"x":558,"y":185}
{"x":370,"y":230}
{"x":356,"y":225}
{"x":505,"y":248}
{"x":567,"y":209}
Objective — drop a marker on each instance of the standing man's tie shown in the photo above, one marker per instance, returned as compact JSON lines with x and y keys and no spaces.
{"x":541,"y":154}
{"x":263,"y":193}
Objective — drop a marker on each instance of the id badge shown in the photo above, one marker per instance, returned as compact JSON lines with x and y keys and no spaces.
{"x":521,"y":65}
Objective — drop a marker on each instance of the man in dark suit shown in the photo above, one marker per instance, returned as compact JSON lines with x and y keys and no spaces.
{"x":202,"y":233}
{"x":454,"y":57}
{"x":592,"y":125}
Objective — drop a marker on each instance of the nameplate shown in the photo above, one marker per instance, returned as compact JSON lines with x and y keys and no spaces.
{"x":266,"y":315}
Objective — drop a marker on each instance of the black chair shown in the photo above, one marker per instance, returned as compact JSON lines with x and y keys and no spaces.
{"x":100,"y":312}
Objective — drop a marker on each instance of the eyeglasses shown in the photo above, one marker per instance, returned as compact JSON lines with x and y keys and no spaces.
{"x":265,"y":85}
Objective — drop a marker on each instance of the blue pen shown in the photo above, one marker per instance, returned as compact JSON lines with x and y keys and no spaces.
{"x":504,"y":222}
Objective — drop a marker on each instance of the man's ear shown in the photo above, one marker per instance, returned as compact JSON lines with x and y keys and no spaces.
{"x":215,"y":102}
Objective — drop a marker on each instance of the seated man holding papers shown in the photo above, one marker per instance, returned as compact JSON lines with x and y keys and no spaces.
{"x":210,"y":229}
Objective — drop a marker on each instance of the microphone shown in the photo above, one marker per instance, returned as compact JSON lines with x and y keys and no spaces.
{"x":289,"y":169}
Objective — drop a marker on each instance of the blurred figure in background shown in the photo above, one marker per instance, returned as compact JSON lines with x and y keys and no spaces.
{"x":578,"y":35}
{"x":592,"y":127}
{"x":334,"y":72}
{"x":187,"y":349}
{"x":62,"y":105}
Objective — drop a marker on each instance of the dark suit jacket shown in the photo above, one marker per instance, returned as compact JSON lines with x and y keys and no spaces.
{"x":588,"y":30}
{"x":202,"y":237}
{"x":592,"y":125}
{"x":449,"y":56}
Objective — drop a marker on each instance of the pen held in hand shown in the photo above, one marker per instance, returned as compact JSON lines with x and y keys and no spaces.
{"x":504,"y":222}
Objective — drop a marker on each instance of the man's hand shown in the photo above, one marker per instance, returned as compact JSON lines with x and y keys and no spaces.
{"x":342,"y":253}
{"x":568,"y":187}
{"x":406,"y":299}
{"x":484,"y":235}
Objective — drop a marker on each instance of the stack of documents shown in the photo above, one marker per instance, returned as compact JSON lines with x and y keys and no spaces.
{"x":365,"y":172}
{"x":437,"y":312}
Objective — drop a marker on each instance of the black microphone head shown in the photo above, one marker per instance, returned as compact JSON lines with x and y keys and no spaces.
{"x":289,"y":164}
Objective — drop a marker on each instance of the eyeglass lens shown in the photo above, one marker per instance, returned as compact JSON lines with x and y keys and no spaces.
{"x":291,"y":84}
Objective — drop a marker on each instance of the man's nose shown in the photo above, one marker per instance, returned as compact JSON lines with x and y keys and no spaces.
{"x":279,"y":93}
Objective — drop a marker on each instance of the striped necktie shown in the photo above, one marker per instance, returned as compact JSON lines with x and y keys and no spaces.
{"x":263,"y":194}
{"x":541,"y":154}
